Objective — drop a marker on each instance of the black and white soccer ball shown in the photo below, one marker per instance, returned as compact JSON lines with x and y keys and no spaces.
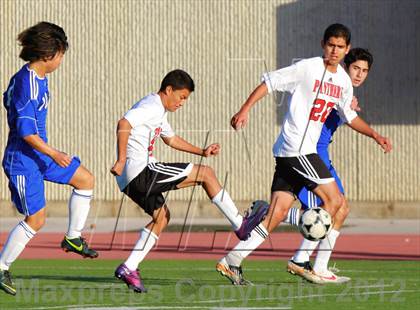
{"x":315,"y":224}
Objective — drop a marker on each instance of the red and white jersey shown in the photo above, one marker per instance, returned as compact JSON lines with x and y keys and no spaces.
{"x":303,"y":80}
{"x":148,"y":119}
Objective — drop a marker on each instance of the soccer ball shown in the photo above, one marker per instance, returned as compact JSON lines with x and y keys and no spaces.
{"x":315,"y":224}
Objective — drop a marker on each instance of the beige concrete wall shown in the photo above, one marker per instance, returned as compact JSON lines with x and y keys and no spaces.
{"x":120,"y":50}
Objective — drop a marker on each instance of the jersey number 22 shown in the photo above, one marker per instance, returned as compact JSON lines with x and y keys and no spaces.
{"x":320,"y":110}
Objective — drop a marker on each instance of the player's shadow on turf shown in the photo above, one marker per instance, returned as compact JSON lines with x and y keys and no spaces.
{"x":163,"y":281}
{"x":216,"y":280}
{"x":78,"y":278}
{"x":197,"y":282}
{"x":387,"y":28}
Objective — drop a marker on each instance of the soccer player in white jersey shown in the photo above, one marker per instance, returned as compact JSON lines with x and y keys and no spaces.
{"x":357,"y":62}
{"x":143,"y":178}
{"x":28,"y":158}
{"x":317,"y":85}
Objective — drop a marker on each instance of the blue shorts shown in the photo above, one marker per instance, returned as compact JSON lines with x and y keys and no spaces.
{"x":27,"y":190}
{"x":309,"y":200}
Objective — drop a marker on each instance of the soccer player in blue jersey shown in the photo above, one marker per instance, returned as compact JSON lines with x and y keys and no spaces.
{"x":29,"y":159}
{"x":357,"y":63}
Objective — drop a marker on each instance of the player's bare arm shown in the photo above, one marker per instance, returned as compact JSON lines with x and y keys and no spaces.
{"x":180,"y":144}
{"x":240,"y":119}
{"x":362,"y":127}
{"x":35,"y":141}
{"x":123,"y":132}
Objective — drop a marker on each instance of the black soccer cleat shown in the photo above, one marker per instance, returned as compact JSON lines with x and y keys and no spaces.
{"x":79,"y":246}
{"x":6,"y":283}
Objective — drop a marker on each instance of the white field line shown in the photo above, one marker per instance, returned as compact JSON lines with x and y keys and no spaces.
{"x":250,"y":308}
{"x":373,"y":286}
{"x":107,"y":306}
{"x":181,"y":307}
{"x":307,"y":296}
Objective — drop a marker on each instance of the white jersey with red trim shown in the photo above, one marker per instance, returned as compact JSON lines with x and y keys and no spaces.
{"x":148,"y":119}
{"x":303,"y":81}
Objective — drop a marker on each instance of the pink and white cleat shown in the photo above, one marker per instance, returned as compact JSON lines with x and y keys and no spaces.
{"x":131,"y":278}
{"x":327,"y":276}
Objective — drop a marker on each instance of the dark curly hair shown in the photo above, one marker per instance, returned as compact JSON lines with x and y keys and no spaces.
{"x":42,"y":41}
{"x":356,"y":54}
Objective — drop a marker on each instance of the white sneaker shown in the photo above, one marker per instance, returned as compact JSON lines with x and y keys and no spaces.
{"x":328,"y":276}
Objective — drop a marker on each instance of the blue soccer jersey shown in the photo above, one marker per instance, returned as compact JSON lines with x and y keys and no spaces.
{"x":308,"y":198}
{"x":330,"y":126}
{"x":26,"y":101}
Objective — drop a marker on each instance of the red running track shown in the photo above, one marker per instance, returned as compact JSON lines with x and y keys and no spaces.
{"x":213,"y":245}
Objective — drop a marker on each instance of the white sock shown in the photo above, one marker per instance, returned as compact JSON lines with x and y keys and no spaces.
{"x":292,"y":217}
{"x":244,"y":248}
{"x":225,"y":204}
{"x":16,"y":242}
{"x":305,"y":251}
{"x":79,"y":205}
{"x":326,"y":247}
{"x":143,"y":246}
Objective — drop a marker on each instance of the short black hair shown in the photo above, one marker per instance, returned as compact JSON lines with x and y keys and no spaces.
{"x":356,"y":54}
{"x":338,"y":31}
{"x":42,"y":41}
{"x":177,"y":79}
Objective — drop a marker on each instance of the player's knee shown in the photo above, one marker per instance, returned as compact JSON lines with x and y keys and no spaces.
{"x":83,"y":179}
{"x":336,"y":202}
{"x":279,"y":213}
{"x":207,"y":173}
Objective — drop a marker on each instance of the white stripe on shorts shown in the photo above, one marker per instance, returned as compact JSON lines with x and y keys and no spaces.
{"x":315,"y":180}
{"x":312,"y":199}
{"x":311,"y":172}
{"x":153,"y":167}
{"x":185,"y":172}
{"x":169,"y":168}
{"x":308,"y":166}
{"x":21,"y":191}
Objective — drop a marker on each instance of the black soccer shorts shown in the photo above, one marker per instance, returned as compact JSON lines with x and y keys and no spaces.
{"x":146,"y":189}
{"x":294,"y":173}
